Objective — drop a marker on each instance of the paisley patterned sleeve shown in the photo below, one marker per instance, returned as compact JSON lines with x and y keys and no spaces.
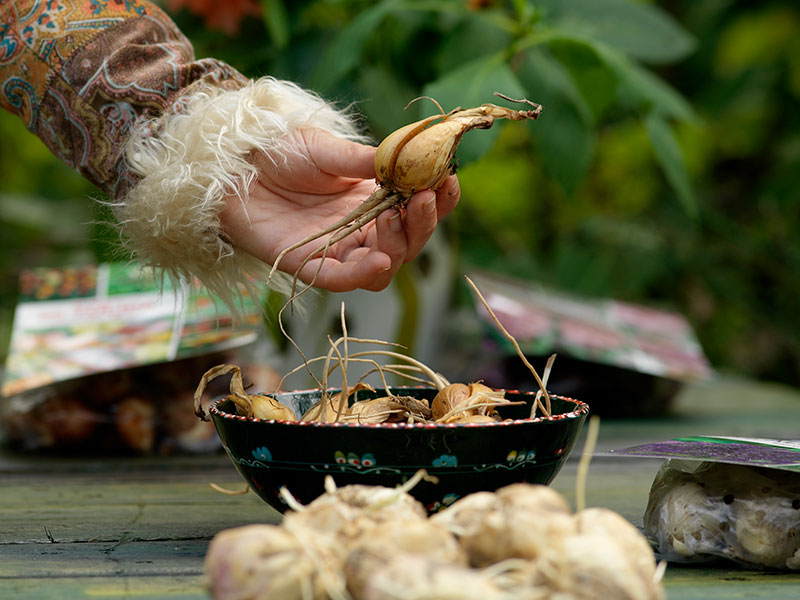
{"x":112,"y":87}
{"x":83,"y":73}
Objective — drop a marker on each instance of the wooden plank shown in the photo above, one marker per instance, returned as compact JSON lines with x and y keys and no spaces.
{"x":129,"y":559}
{"x":146,"y":570}
{"x":162,"y":587}
{"x":82,"y":490}
{"x":107,"y":516}
{"x":75,"y":509}
{"x":78,"y":509}
{"x":723,"y":582}
{"x":133,"y":466}
{"x":121,"y":523}
{"x":681,"y":584}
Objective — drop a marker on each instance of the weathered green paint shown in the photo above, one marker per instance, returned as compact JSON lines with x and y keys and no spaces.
{"x":723,"y":583}
{"x":79,"y":508}
{"x":103,"y":559}
{"x":104,"y":588}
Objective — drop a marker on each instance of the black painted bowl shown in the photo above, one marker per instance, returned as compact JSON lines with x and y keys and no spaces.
{"x":465,"y":458}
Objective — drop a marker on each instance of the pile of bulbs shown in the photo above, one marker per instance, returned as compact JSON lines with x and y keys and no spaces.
{"x":357,"y":542}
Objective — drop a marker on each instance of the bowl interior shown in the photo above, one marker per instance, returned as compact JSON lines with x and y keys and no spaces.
{"x":464,"y":458}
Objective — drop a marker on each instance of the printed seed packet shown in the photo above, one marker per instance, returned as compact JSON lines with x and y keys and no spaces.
{"x":105,"y":359}
{"x":97,"y":318}
{"x":754,"y":452}
{"x":604,"y":331}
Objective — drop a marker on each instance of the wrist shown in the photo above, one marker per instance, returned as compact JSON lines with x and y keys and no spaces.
{"x":194,"y":161}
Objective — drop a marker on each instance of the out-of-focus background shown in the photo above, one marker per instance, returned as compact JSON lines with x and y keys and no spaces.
{"x":665,"y":169}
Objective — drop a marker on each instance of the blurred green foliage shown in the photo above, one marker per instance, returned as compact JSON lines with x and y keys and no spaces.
{"x":665,"y":168}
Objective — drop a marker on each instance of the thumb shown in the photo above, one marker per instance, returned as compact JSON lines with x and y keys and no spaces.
{"x":338,"y":156}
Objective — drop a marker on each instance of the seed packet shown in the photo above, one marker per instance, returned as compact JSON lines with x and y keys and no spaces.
{"x":602,"y":330}
{"x":106,"y":358}
{"x":623,"y":359}
{"x":748,"y":451}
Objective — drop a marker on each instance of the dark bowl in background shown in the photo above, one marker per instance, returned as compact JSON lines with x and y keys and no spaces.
{"x":465,"y":458}
{"x":611,"y":391}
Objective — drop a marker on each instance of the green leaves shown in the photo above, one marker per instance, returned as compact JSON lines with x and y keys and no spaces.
{"x":638,"y":29}
{"x":381,"y":87}
{"x":581,"y":59}
{"x":564,"y":133}
{"x":670,"y":158}
{"x":344,"y":53}
{"x":276,"y":21}
{"x":616,"y":80}
{"x":474,"y":37}
{"x":644,"y":86}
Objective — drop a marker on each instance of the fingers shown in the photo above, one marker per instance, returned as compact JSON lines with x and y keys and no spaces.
{"x":391,"y":240}
{"x":369,"y":265}
{"x":447,"y":197}
{"x":362,"y":270}
{"x":394,"y":239}
{"x":420,"y":221}
{"x":425,"y":211}
{"x":338,"y":156}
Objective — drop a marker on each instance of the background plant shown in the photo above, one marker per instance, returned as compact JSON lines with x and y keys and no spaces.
{"x":664,"y":169}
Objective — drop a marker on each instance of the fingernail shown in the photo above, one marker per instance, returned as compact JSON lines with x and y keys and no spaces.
{"x":429,"y":206}
{"x":454,"y":188}
{"x":395,"y":223}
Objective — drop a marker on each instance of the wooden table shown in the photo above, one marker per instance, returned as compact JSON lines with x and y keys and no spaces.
{"x":139,"y":528}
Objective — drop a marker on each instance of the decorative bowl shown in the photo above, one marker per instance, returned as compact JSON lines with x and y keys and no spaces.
{"x":465,"y":458}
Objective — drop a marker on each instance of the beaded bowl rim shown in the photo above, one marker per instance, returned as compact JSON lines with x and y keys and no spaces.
{"x":581,"y":409}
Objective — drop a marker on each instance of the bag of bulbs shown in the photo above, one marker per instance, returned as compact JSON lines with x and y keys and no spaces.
{"x":701,"y":511}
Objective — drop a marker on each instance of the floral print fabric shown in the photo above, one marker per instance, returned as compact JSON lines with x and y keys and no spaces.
{"x":84,"y":74}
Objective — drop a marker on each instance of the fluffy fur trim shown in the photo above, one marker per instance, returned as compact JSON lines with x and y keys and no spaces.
{"x":196,"y":158}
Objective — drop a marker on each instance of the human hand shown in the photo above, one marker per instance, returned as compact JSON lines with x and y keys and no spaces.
{"x":326,"y":179}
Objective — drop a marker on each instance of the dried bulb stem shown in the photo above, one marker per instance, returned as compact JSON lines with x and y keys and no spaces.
{"x":548,"y":367}
{"x":437,"y":380}
{"x":592,"y":433}
{"x":511,"y":338}
{"x":237,"y":393}
{"x":375,"y":199}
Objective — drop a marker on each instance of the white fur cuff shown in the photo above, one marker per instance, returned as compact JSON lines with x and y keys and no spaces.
{"x":199,"y":157}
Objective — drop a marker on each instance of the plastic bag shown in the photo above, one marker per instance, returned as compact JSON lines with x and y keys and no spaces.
{"x":143,"y":410}
{"x":702,"y":511}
